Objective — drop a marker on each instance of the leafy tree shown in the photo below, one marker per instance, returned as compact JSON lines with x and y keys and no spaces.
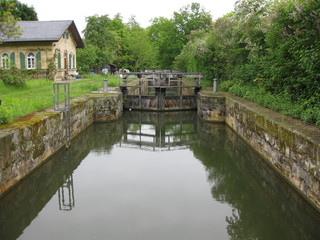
{"x":140,"y":54}
{"x":293,"y":40}
{"x":170,"y":35}
{"x":87,"y":57}
{"x":163,"y":33}
{"x":192,"y":56}
{"x":119,"y":30}
{"x":190,"y":18}
{"x":97,"y":33}
{"x":24,"y":12}
{"x":8,"y":28}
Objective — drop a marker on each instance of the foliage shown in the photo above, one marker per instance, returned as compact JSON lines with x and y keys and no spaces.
{"x":304,"y":109}
{"x":111,"y":41}
{"x":192,"y":57}
{"x":87,"y":58}
{"x":190,"y":18}
{"x":12,"y":77}
{"x":140,"y":54}
{"x":170,"y":35}
{"x":163,"y":33}
{"x":52,"y":67}
{"x":101,"y":43}
{"x":272,"y":46}
{"x":8,"y":28}
{"x":24,"y":12}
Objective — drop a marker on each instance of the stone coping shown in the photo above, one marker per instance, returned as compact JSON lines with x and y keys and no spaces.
{"x":297,"y":126}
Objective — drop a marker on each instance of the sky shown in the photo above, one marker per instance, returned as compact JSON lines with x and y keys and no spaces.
{"x":143,"y":10}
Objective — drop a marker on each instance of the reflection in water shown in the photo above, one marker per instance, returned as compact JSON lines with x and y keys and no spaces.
{"x":151,"y":131}
{"x":125,"y":192}
{"x":66,"y":195}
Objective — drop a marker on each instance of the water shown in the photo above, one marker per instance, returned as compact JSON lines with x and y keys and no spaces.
{"x":156,"y":176}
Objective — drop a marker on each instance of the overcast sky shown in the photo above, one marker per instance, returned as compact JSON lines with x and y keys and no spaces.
{"x":143,"y":10}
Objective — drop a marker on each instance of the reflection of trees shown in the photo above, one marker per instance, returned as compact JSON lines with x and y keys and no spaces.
{"x":21,"y":205}
{"x":264,"y":206}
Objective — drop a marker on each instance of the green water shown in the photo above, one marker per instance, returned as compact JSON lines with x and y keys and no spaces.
{"x":165,"y":176}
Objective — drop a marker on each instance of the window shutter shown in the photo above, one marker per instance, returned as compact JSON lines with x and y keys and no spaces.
{"x":70,"y":61}
{"x":38,"y":60}
{"x":22,"y":61}
{"x":12,"y":59}
{"x":59,"y":60}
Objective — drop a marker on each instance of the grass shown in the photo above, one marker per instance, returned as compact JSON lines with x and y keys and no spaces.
{"x":306,"y":110}
{"x":37,"y":94}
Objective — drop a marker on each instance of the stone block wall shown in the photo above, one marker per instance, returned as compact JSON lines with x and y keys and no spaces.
{"x":27,"y":142}
{"x":290,"y":146}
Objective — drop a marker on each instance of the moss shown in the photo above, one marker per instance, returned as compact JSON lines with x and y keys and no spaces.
{"x":103,"y":95}
{"x":6,"y":165}
{"x":25,"y":144}
{"x":13,"y":147}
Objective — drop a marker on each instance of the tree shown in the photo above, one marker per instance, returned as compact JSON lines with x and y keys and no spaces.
{"x":24,"y":12}
{"x":8,"y":28}
{"x":139,"y":54}
{"x":192,"y":56}
{"x":190,"y":18}
{"x":98,"y":34}
{"x":170,"y":35}
{"x":119,"y":30}
{"x":87,"y":58}
{"x":163,"y":33}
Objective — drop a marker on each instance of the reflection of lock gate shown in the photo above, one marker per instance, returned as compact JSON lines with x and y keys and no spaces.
{"x":160,"y":90}
{"x":159,"y":135}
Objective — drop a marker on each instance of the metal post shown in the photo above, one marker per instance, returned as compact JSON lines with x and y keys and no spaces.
{"x":215,"y":85}
{"x":105,"y":85}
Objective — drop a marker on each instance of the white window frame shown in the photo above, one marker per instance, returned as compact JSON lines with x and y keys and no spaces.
{"x":31,"y":61}
{"x":72,"y":65}
{"x":5,"y":61}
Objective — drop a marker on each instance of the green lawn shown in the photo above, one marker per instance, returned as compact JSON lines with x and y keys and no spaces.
{"x":37,"y":94}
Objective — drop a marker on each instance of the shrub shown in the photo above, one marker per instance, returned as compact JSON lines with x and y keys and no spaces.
{"x":12,"y":77}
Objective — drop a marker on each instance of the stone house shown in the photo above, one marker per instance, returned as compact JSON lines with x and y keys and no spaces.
{"x":41,"y":44}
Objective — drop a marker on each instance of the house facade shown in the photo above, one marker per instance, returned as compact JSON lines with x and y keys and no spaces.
{"x":43,"y":45}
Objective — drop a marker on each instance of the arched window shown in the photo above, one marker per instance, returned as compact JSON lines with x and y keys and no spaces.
{"x":5,"y":61}
{"x":31,"y":61}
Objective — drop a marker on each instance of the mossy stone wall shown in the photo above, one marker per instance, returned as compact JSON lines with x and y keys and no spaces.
{"x":28,"y":141}
{"x":289,"y":145}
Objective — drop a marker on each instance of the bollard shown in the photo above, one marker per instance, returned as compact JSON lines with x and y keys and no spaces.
{"x":215,"y":85}
{"x":105,"y":85}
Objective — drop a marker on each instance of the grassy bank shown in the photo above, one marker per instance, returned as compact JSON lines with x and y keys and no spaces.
{"x":37,"y":94}
{"x":306,"y":110}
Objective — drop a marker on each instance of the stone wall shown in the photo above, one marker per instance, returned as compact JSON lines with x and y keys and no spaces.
{"x":27,"y":142}
{"x":290,"y":146}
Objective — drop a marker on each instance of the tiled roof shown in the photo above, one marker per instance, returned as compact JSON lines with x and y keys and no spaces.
{"x":40,"y":31}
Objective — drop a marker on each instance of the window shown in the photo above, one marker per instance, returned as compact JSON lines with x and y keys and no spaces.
{"x":5,"y":61}
{"x":66,"y":35}
{"x":71,"y":61}
{"x":31,"y":61}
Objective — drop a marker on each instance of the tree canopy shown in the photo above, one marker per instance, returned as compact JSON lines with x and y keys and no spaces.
{"x":8,"y":21}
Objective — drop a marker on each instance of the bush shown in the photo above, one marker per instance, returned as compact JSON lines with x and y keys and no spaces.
{"x":306,"y":110}
{"x":12,"y":77}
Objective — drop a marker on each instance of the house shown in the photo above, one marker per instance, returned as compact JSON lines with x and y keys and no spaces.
{"x":41,"y":44}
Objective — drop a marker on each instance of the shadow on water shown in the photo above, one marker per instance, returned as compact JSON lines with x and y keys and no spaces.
{"x":264,"y":205}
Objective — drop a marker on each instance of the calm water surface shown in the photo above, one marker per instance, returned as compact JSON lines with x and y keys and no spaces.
{"x":165,"y":176}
